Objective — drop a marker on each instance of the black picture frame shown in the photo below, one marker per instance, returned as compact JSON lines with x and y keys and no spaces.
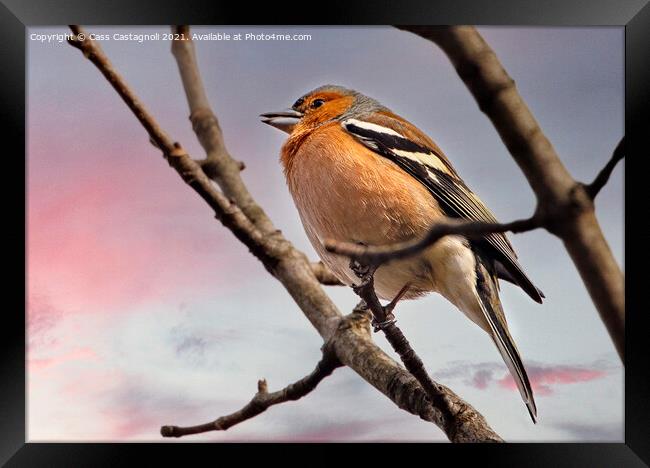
{"x":634,"y":15}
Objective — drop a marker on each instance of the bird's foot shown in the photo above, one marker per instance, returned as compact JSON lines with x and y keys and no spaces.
{"x":366,"y":274}
{"x":362,"y":271}
{"x":389,"y":319}
{"x":382,"y":315}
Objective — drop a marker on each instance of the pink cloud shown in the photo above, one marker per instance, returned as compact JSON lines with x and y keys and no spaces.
{"x":127,"y":424}
{"x":136,"y":410}
{"x":68,"y":405}
{"x":543,"y":379}
{"x":41,"y":317}
{"x":78,"y":354}
{"x":114,"y":231}
{"x":482,"y":378}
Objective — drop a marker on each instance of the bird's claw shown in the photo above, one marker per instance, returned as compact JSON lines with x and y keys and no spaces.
{"x":362,"y":271}
{"x":390,"y":319}
{"x":366,"y":273}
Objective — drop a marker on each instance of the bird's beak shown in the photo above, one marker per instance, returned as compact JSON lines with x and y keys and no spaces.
{"x":284,"y":120}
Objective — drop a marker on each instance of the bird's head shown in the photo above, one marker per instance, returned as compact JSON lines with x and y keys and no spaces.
{"x":319,"y":106}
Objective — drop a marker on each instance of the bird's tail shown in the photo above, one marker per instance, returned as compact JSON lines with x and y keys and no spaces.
{"x":487,"y":291}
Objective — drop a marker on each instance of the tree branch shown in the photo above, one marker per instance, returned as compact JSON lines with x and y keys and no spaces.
{"x":94,"y":53}
{"x":263,"y":399}
{"x":290,"y":266}
{"x":564,"y":206}
{"x":226,"y":211}
{"x":603,"y":176}
{"x":356,"y":349}
{"x":376,"y":255}
{"x":384,"y":320}
{"x":218,"y":164}
{"x":325,"y":275}
{"x":279,"y":257}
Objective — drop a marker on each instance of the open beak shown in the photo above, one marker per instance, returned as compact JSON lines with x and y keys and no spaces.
{"x":284,"y":120}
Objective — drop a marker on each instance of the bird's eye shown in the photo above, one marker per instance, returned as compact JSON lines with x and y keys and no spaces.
{"x":317,"y":103}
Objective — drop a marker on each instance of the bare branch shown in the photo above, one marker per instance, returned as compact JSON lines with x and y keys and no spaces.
{"x":497,"y":96}
{"x":263,"y":400}
{"x":384,"y":320}
{"x":287,"y":264}
{"x":376,"y":255}
{"x":325,"y":275}
{"x":94,"y":53}
{"x":228,"y":213}
{"x":218,"y":164}
{"x":603,"y":176}
{"x":565,"y":207}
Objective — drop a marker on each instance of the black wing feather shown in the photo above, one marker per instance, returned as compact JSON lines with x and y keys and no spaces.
{"x":456,"y":199}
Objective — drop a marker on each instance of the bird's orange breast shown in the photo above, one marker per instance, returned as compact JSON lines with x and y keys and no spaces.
{"x":344,"y":191}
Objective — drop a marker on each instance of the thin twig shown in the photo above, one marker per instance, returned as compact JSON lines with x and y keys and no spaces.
{"x":376,"y":255}
{"x":218,"y":164}
{"x":356,"y":349}
{"x":385,"y":321}
{"x":325,"y":275}
{"x":603,"y":176}
{"x":191,"y":172}
{"x":262,"y":400}
{"x":94,"y":53}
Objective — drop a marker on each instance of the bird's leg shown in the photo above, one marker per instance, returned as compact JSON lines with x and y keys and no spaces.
{"x":381,"y":315}
{"x":366,"y":290}
{"x":391,"y":305}
{"x":389,"y":317}
{"x":364,"y":272}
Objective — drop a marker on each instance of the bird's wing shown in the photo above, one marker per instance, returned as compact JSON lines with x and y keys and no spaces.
{"x":396,"y":139}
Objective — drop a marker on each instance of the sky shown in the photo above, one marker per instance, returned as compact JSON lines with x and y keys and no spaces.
{"x":142,"y":310}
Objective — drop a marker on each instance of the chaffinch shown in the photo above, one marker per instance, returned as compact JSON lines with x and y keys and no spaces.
{"x":360,"y":173}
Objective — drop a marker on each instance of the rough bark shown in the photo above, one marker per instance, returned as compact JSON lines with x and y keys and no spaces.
{"x":355,"y":348}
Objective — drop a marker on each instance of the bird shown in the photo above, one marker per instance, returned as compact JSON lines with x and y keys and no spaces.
{"x":357,"y":172}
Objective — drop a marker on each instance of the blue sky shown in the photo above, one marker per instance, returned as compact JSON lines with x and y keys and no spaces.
{"x":144,"y":311}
